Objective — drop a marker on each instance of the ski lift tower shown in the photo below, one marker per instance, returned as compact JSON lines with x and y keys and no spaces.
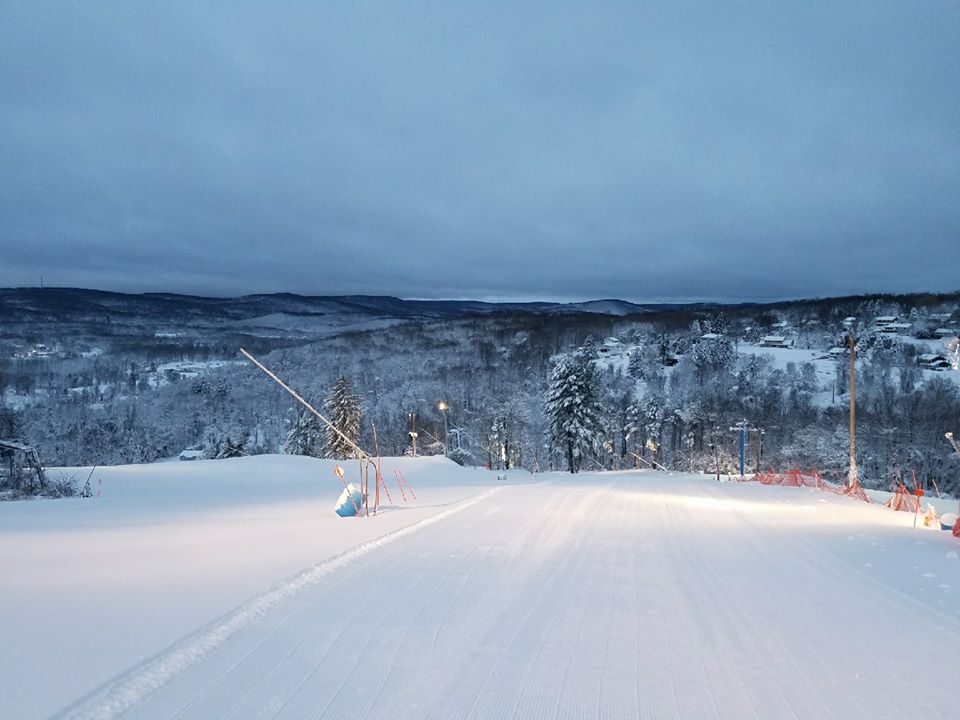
{"x":742,"y":427}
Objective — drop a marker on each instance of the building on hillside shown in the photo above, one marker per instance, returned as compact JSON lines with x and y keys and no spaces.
{"x":611,"y":346}
{"x":849,"y":321}
{"x":930,"y":361}
{"x":945,"y":332}
{"x":894,"y":328}
{"x":886,"y":319}
{"x":778,"y":341}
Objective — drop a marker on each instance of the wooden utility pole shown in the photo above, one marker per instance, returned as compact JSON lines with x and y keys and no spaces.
{"x":760,"y":432}
{"x":852,"y":477}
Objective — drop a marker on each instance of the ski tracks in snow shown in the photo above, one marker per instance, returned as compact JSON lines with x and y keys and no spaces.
{"x":607,"y":596}
{"x":126,"y":692}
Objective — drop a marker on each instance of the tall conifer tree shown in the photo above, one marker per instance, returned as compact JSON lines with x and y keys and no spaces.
{"x":343,"y":411}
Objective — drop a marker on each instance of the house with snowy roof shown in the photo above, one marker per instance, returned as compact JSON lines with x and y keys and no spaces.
{"x":931,"y":361}
{"x":894,"y":328}
{"x":780,"y":341}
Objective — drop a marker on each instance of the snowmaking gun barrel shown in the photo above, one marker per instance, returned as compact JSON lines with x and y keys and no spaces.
{"x":361,"y":453}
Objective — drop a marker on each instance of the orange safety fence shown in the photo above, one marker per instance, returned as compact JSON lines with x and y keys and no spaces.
{"x":810,"y":479}
{"x":855,"y":491}
{"x":792,"y":478}
{"x":903,"y":500}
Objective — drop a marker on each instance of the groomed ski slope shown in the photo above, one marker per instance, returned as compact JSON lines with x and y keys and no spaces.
{"x":618,"y":595}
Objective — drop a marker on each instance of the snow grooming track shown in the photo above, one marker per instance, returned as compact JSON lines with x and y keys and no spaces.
{"x":121,"y":694}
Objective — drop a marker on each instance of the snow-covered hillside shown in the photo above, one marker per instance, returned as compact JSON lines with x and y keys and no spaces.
{"x":229,"y":589}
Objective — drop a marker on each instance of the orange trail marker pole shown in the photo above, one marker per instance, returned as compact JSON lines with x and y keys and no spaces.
{"x":407,"y":483}
{"x":396,"y":474}
{"x":918,"y":492}
{"x":385,"y":488}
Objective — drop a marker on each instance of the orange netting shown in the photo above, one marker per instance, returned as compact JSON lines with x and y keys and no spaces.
{"x":810,"y":479}
{"x":792,"y":478}
{"x":903,"y":500}
{"x":854,"y":491}
{"x":956,"y":528}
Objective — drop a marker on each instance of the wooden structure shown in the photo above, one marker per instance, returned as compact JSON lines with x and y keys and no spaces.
{"x":20,"y":467}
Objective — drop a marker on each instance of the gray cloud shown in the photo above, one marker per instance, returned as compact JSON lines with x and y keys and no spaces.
{"x":693,"y":150}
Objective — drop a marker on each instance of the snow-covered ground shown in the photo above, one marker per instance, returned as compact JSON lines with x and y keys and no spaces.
{"x":228,"y":589}
{"x":90,"y":587}
{"x":824,"y":366}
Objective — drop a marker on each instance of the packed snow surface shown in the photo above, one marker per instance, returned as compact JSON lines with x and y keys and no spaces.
{"x":229,"y":589}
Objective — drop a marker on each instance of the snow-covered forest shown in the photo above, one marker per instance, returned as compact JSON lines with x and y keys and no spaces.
{"x":652,"y":384}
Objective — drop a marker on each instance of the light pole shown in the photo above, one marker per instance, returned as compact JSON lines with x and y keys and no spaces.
{"x":413,"y":432}
{"x":443,"y":408}
{"x":852,"y":475}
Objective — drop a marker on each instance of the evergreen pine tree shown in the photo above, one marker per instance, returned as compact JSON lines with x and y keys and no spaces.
{"x":574,"y":419}
{"x":635,"y":368}
{"x":589,"y":349}
{"x":343,"y":411}
{"x":306,"y":436}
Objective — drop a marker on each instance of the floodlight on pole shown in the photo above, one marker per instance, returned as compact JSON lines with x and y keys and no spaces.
{"x":443,"y":408}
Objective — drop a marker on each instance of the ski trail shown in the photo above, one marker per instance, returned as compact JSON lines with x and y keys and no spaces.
{"x":122,"y":694}
{"x":600,"y":596}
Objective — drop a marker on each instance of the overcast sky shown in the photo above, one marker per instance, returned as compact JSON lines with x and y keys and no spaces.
{"x":554,"y":150}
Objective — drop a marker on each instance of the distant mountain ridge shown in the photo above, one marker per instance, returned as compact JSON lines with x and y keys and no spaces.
{"x":64,"y":304}
{"x":45,"y":305}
